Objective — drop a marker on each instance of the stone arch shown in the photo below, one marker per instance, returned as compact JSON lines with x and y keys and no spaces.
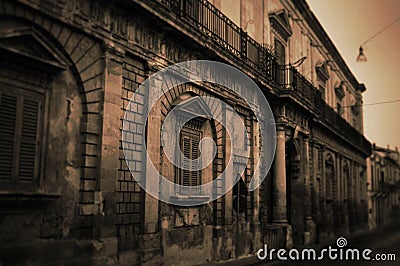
{"x":329,"y":158}
{"x":85,"y":59}
{"x":84,"y":52}
{"x":345,"y":164}
{"x":349,"y":193}
{"x":182,"y":93}
{"x":186,"y":91}
{"x":211,"y":214}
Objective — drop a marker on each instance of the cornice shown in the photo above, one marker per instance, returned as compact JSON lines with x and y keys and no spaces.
{"x":314,"y":24}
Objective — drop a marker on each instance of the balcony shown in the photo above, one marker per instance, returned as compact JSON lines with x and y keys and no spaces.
{"x":223,"y":32}
{"x":205,"y":18}
{"x":304,"y":89}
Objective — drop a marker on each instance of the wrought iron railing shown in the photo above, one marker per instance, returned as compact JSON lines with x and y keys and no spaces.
{"x":303,"y":88}
{"x":225,"y":33}
{"x":333,"y":119}
{"x":296,"y":82}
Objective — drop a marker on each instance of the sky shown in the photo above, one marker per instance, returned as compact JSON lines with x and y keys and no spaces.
{"x":350,"y":23}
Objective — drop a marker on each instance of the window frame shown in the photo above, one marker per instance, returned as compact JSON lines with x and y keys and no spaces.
{"x":191,"y":133}
{"x":23,"y":89}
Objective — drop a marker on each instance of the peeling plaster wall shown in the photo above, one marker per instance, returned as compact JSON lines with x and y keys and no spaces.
{"x":24,"y":221}
{"x":101,"y":215}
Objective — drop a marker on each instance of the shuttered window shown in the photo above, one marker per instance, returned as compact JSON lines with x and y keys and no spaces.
{"x":280,"y":55}
{"x":20,"y":119}
{"x":190,"y":149}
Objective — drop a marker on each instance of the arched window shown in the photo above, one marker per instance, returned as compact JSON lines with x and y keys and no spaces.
{"x":346,"y":181}
{"x":192,"y":117}
{"x":329,"y":176}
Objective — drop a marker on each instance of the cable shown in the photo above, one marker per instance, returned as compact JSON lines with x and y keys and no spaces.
{"x":379,"y":32}
{"x":381,"y":102}
{"x":367,"y":104}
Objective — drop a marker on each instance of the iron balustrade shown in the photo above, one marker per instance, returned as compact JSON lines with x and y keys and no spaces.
{"x":293,"y":80}
{"x":225,"y":33}
{"x":332,"y":118}
{"x":302,"y":87}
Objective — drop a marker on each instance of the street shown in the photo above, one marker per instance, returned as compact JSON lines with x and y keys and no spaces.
{"x":386,"y":241}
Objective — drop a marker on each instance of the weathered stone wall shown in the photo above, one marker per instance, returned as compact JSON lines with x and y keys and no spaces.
{"x":347,"y":200}
{"x":89,"y":209}
{"x":98,"y":198}
{"x":37,"y":223}
{"x":129,"y":193}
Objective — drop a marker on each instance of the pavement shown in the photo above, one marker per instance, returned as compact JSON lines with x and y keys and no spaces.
{"x":383,"y":241}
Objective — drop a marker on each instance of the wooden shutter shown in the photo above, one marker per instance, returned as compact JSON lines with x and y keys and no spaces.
{"x":280,"y":52}
{"x":29,"y":140}
{"x":280,"y":59}
{"x":194,"y":181}
{"x":185,"y":181}
{"x":8,"y":112}
{"x":19,"y":135}
{"x":190,"y":176}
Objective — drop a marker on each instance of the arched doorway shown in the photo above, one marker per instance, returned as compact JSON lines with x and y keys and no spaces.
{"x":295,"y":192}
{"x":332,"y":214}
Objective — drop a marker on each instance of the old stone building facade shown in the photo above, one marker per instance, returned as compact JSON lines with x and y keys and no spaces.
{"x":68,"y":70}
{"x":383,"y":186}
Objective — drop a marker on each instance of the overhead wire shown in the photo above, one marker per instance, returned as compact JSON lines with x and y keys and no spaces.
{"x":379,"y":32}
{"x":369,"y":104}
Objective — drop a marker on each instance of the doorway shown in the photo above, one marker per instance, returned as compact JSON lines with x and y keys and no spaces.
{"x":295,"y":192}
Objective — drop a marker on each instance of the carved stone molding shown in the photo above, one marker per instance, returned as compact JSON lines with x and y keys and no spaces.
{"x":280,"y":23}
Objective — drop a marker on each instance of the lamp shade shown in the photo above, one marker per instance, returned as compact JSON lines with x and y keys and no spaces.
{"x":361,"y":56}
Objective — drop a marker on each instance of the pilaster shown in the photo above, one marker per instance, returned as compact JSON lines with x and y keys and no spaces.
{"x":105,"y":195}
{"x":309,"y":233}
{"x":279,"y":214}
